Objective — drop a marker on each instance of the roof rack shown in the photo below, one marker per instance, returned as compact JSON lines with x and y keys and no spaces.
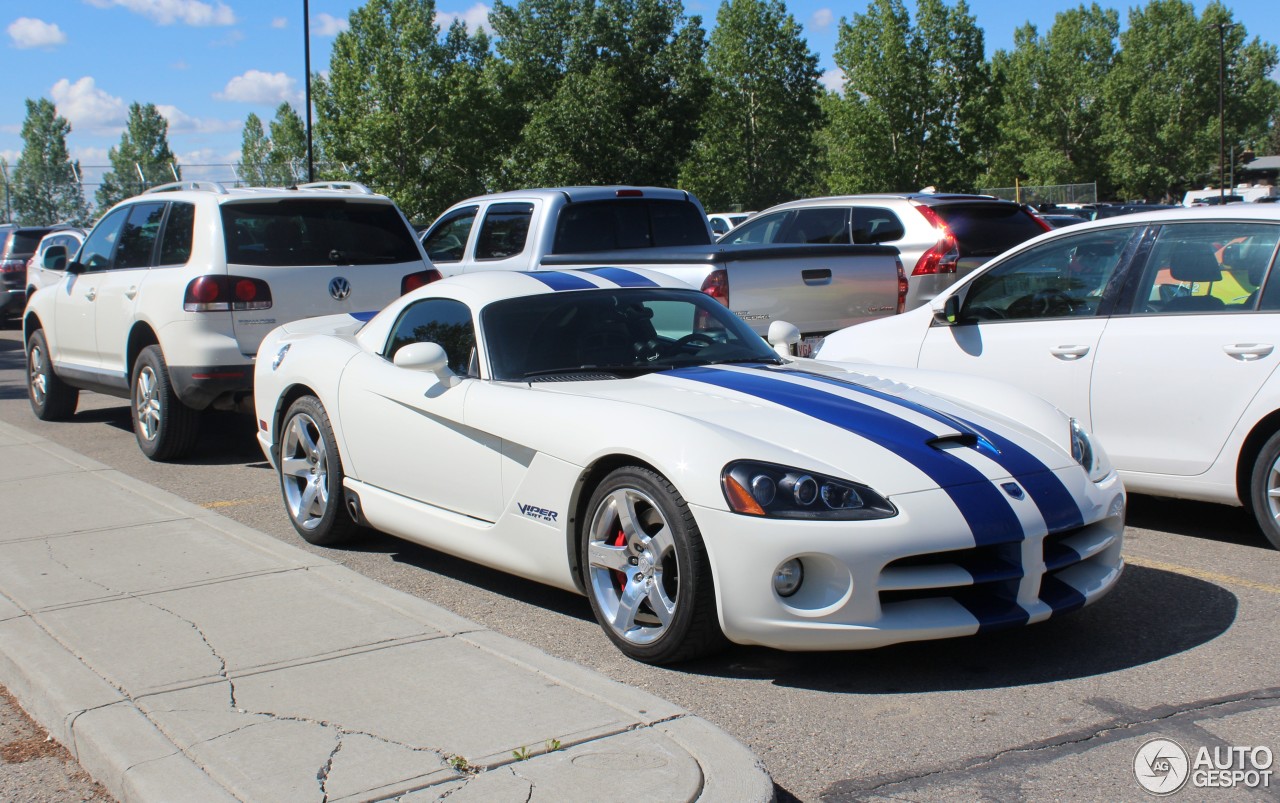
{"x":177,"y":186}
{"x":346,"y":186}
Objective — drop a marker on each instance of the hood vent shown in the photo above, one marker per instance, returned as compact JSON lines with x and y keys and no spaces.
{"x":960,"y":440}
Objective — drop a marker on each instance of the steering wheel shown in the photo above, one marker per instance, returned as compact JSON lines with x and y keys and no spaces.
{"x":697,"y":340}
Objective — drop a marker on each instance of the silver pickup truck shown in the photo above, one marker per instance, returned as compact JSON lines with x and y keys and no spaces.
{"x":819,"y":288}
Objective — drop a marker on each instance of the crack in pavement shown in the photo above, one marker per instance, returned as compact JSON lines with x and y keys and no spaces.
{"x":1131,"y":722}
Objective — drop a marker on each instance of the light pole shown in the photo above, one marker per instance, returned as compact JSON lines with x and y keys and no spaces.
{"x":306,"y":49}
{"x":1222,"y":80}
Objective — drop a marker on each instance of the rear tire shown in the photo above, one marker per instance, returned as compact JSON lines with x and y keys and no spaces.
{"x":166,"y":428}
{"x":51,"y":398}
{"x":1264,"y":490}
{"x":311,"y":475}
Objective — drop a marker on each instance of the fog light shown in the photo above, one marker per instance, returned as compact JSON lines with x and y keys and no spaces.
{"x":788,"y":577}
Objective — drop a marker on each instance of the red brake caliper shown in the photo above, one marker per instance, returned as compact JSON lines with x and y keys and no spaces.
{"x":620,"y":578}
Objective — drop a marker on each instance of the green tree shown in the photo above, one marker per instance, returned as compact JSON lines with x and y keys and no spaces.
{"x":288,"y":158}
{"x":1162,"y":97}
{"x":756,"y":142}
{"x":1051,"y":101}
{"x":144,"y":146}
{"x":404,"y":109}
{"x":255,"y":150}
{"x":915,"y":106}
{"x":46,"y":188}
{"x":601,"y":92}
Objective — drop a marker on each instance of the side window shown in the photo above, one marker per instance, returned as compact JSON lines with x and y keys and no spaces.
{"x":1062,"y":278}
{"x":810,"y":226}
{"x":446,"y":241}
{"x":760,"y":230}
{"x":138,"y":237}
{"x":1208,"y":267}
{"x":876,"y":225}
{"x":443,"y":321}
{"x":99,"y":248}
{"x":503,"y":232}
{"x":179,"y":229}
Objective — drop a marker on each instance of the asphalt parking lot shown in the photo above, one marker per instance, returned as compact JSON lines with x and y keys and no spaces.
{"x":1183,"y":649}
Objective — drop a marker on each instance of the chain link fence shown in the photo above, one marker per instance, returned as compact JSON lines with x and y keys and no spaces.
{"x":1047,"y":194}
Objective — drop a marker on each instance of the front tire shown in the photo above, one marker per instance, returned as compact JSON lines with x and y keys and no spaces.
{"x":311,"y":475}
{"x":1264,"y":490}
{"x":647,"y":573}
{"x":51,"y":398}
{"x":166,"y":428}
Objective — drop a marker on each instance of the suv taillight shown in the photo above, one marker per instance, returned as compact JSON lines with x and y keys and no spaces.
{"x":12,"y":265}
{"x":716,"y":285}
{"x":902,"y":287}
{"x":420,"y":279}
{"x":1031,"y":213}
{"x":226,"y":293}
{"x":944,"y":255}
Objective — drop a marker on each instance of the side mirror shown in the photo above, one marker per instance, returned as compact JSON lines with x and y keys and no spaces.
{"x":75,"y":268}
{"x":429,"y":358}
{"x":948,"y":314}
{"x":782,"y":336}
{"x":55,"y":258}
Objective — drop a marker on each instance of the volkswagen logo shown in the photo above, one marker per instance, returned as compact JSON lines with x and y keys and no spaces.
{"x":339,"y":288}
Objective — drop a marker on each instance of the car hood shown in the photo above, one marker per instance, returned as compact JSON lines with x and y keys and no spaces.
{"x":852,"y":425}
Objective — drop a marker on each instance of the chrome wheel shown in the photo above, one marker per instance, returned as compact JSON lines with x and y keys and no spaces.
{"x":146,"y":402}
{"x":304,"y":471}
{"x":1264,"y":489}
{"x":51,"y":398}
{"x":37,"y":377}
{"x":633,"y":564}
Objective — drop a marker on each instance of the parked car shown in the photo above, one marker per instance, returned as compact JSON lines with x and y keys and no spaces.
{"x":721,"y":222}
{"x":940,"y":236}
{"x":166,"y":301}
{"x":1158,"y":330}
{"x":17,"y":244}
{"x":42,"y":272}
{"x":616,"y":433}
{"x":1059,"y":221}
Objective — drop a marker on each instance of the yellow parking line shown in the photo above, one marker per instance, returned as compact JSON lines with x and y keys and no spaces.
{"x":234,"y":502}
{"x":1200,"y":574}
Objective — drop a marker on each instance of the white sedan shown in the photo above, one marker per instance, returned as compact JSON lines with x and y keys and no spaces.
{"x":616,"y":433}
{"x":1158,"y":331}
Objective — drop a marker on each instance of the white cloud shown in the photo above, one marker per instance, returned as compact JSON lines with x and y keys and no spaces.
{"x":474,"y":18}
{"x":167,"y":12}
{"x":833,"y":80}
{"x":28,"y":33}
{"x":280,"y":22}
{"x":328,"y":25}
{"x":822,"y":18}
{"x":10,"y":156}
{"x":260,"y":87}
{"x":182,"y":123}
{"x":87,"y":107}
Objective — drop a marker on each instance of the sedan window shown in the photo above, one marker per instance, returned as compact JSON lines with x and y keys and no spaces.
{"x":1207,"y":267}
{"x":1064,"y":277}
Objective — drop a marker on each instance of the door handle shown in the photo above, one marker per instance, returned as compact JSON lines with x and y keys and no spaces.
{"x":92,"y":294}
{"x":1248,"y":352}
{"x":1069,"y":352}
{"x":132,"y":292}
{"x":816,"y":275}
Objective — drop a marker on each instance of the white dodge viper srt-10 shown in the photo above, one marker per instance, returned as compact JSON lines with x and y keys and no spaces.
{"x":616,"y":433}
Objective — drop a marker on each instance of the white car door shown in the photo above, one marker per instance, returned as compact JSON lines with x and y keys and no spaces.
{"x":1033,"y":320}
{"x":75,"y":303}
{"x":1174,"y":375}
{"x":118,"y":287}
{"x":406,"y":431}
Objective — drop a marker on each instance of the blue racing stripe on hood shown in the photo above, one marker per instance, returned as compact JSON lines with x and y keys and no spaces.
{"x":1056,"y":504}
{"x":561,"y":281}
{"x":363,"y":317}
{"x":622,"y":277}
{"x":984,"y":507}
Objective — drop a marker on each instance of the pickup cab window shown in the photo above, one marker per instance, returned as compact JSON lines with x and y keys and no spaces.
{"x":448,"y":239}
{"x":503,"y":232}
{"x":629,"y":223}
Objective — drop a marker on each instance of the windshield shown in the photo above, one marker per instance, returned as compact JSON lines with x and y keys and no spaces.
{"x":623,"y":331}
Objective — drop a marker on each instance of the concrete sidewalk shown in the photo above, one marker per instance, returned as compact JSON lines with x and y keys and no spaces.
{"x":182,"y":656}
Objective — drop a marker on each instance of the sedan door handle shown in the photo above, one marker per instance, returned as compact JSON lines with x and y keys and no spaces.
{"x":131,"y":292}
{"x":92,"y":294}
{"x":816,"y":275}
{"x":1248,"y":352}
{"x":1069,"y":352}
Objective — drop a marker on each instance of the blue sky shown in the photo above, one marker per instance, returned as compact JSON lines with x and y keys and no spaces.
{"x":208,"y":63}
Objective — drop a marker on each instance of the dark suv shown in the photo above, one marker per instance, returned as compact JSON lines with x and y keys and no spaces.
{"x":17,"y":244}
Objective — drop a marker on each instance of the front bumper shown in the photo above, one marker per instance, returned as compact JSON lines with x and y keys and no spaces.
{"x":917,"y":576}
{"x":12,"y":301}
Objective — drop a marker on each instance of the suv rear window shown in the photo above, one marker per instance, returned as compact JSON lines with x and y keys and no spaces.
{"x":987,"y":229}
{"x":316,"y":232}
{"x":21,"y":242}
{"x":627,"y":223}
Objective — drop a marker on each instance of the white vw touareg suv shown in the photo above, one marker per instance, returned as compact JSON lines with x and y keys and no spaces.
{"x":166,"y":301}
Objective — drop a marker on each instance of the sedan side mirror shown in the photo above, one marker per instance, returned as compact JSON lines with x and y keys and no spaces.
{"x":949,"y":313}
{"x":427,"y":357}
{"x":55,"y":258}
{"x":75,"y":268}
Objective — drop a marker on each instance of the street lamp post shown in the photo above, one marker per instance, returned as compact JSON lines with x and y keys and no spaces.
{"x":1222,"y":81}
{"x":306,"y":34}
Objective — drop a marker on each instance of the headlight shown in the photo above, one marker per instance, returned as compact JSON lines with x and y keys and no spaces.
{"x":780,"y":492}
{"x":1088,"y":453}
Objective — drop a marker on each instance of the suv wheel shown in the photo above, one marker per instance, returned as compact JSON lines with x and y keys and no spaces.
{"x":166,"y":428}
{"x":51,"y":398}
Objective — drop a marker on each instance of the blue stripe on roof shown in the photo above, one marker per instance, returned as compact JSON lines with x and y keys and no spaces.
{"x":985,"y":509}
{"x":1056,"y":504}
{"x":623,"y":277}
{"x":363,"y":316}
{"x":561,"y":281}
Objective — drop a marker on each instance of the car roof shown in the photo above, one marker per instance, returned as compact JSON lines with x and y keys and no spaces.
{"x":923,"y":198}
{"x":216,"y":192}
{"x":577,"y":194}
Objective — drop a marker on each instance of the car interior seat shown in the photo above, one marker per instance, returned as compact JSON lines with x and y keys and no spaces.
{"x":1194,"y":263}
